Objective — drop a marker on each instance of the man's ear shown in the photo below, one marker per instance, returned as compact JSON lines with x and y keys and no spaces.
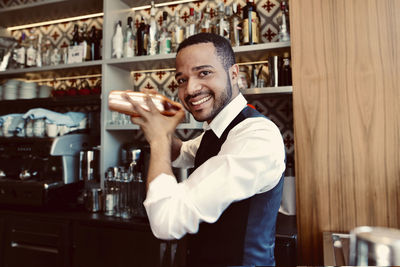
{"x":234,"y":73}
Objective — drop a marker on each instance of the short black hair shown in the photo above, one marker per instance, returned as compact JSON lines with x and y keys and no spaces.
{"x":222,"y":46}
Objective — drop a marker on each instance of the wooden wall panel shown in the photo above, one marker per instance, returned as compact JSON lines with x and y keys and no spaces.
{"x":346,"y":105}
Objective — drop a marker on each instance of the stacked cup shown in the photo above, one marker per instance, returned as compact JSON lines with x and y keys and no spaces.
{"x":28,"y":90}
{"x":11,"y":90}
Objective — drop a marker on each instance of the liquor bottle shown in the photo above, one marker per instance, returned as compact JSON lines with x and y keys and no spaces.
{"x":235,"y":26}
{"x":142,"y":38}
{"x":46,"y":51}
{"x":94,"y":43}
{"x":31,"y":52}
{"x":285,"y":74}
{"x":118,"y":41}
{"x":191,"y":24}
{"x":251,"y":24}
{"x":283,"y":29}
{"x":177,"y":32}
{"x":76,"y":39}
{"x":165,"y":36}
{"x":206,"y":21}
{"x":19,"y":53}
{"x":222,"y":25}
{"x":85,"y":42}
{"x":152,"y":50}
{"x":129,"y":40}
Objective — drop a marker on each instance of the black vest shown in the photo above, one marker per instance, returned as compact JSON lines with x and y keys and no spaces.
{"x":245,"y":232}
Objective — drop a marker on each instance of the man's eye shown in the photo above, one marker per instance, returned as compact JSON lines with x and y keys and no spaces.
{"x":180,"y":81}
{"x":204,"y":73}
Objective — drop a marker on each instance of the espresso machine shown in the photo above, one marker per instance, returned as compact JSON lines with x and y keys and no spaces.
{"x":40,"y":171}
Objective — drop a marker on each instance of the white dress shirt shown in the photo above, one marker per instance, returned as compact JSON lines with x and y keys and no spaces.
{"x":251,"y":161}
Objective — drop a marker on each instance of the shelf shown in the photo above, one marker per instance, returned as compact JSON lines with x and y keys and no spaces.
{"x":267,"y":90}
{"x":21,"y":105}
{"x":258,"y":52}
{"x":47,"y":10}
{"x":62,"y":70}
{"x":138,"y":63}
{"x":138,"y":3}
{"x":246,"y":53}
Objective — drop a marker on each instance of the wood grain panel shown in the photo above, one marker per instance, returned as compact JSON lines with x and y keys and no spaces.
{"x":345,"y":56}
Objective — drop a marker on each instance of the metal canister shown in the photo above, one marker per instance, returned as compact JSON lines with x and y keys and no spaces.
{"x":377,"y":246}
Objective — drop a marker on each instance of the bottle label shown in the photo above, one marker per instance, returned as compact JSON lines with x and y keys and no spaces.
{"x":20,"y":55}
{"x":251,"y":28}
{"x":165,"y":46}
{"x":30,"y":57}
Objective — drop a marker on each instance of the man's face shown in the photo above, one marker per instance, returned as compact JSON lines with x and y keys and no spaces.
{"x":205,"y":88}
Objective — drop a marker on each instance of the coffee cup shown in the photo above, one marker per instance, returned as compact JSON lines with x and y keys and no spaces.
{"x":52,"y":129}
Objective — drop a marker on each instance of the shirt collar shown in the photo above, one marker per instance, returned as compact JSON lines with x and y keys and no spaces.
{"x":226,"y":115}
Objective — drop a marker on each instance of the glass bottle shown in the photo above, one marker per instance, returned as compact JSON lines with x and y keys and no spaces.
{"x":19,"y":53}
{"x":76,"y":39}
{"x":94,"y":44}
{"x":235,"y":26}
{"x":165,"y":36}
{"x":85,"y":42}
{"x":125,"y":203}
{"x":206,"y":21}
{"x":153,"y":42}
{"x":222,"y":25}
{"x":251,"y":24}
{"x":109,"y":193}
{"x":191,"y":24}
{"x":117,"y":41}
{"x":285,"y":75}
{"x":283,"y":28}
{"x":142,"y":38}
{"x":31,"y":52}
{"x":129,"y":39}
{"x":177,"y":32}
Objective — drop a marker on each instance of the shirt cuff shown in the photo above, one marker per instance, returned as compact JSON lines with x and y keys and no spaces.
{"x":161,"y":187}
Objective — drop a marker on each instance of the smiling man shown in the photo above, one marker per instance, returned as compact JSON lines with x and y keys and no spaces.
{"x":228,"y":205}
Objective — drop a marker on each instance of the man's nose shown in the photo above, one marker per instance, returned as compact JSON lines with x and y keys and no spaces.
{"x":193,"y":85}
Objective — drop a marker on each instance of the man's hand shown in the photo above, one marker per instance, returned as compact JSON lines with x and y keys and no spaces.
{"x":155,"y":125}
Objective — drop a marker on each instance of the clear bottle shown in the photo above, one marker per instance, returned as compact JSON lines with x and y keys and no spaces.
{"x":251,"y":24}
{"x":222,"y":25}
{"x":46,"y":51}
{"x":165,"y":36}
{"x":125,"y":203}
{"x":19,"y":53}
{"x":283,"y":27}
{"x":177,"y":32}
{"x":129,"y":39}
{"x":31,"y":52}
{"x":153,"y":32}
{"x":109,"y":193}
{"x":205,"y":25}
{"x":235,"y":26}
{"x":117,"y":41}
{"x":191,"y":24}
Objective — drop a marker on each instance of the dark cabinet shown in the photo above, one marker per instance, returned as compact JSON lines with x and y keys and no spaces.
{"x":35,"y":242}
{"x":111,"y":246}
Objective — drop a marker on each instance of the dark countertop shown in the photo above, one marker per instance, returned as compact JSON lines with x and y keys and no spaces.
{"x":78,"y":214}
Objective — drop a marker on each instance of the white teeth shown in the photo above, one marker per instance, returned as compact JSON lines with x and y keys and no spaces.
{"x":201,"y":101}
